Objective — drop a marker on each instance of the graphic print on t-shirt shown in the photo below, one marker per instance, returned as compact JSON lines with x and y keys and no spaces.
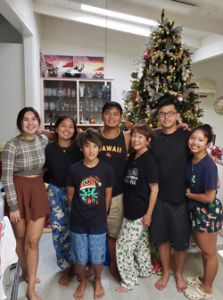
{"x":132,"y":176}
{"x":89,"y":190}
{"x":110,"y":149}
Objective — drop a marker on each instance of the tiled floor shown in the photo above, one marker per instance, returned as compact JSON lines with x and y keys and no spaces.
{"x":50,"y":290}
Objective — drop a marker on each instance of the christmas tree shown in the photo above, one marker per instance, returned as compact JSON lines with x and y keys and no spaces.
{"x":163,"y":69}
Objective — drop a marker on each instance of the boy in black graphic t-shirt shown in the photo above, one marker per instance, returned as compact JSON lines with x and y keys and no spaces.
{"x":89,"y":190}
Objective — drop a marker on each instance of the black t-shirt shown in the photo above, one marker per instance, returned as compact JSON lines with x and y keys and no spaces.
{"x":139,"y":173}
{"x":88,"y":205}
{"x":58,"y":162}
{"x":114,"y":152}
{"x":172,"y":155}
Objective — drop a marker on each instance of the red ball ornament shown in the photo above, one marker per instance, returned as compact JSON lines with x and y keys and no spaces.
{"x":134,"y":96}
{"x":146,"y":54}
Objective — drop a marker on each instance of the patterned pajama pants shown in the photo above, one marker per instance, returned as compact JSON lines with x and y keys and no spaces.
{"x":133,"y":253}
{"x":59,"y":219}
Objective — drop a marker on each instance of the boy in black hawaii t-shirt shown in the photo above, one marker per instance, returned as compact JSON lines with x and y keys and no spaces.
{"x":89,"y":190}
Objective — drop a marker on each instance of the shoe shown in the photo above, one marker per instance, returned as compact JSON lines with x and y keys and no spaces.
{"x":197,"y":294}
{"x":194,"y":281}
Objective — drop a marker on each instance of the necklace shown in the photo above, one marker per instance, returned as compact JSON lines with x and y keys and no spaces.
{"x":63,"y":148}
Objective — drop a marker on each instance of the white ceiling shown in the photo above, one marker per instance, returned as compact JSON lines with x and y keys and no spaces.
{"x":202,"y":20}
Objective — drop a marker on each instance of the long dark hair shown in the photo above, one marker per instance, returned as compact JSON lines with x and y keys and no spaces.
{"x":59,"y":120}
{"x":21,"y":116}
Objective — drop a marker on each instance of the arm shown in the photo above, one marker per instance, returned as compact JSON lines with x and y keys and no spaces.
{"x":184,"y":126}
{"x":70,"y":194}
{"x":8,"y":159}
{"x":207,"y":197}
{"x":108,"y":195}
{"x":127,"y":139}
{"x":51,"y":135}
{"x":147,"y":218}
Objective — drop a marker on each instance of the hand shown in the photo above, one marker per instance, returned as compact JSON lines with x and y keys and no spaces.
{"x":184,"y":126}
{"x":218,"y":183}
{"x":15,"y":216}
{"x":146,"y":220}
{"x":187,"y":191}
{"x":79,"y":130}
{"x":39,"y":132}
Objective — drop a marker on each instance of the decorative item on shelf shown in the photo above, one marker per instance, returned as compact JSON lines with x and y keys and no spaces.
{"x":50,"y":92}
{"x":76,"y":71}
{"x":82,"y":88}
{"x":61,"y":92}
{"x":92,"y":121}
{"x":54,"y":92}
{"x":92,"y":106}
{"x":87,"y":105}
{"x":68,"y":92}
{"x":89,"y":92}
{"x":73,"y":93}
{"x":96,"y":106}
{"x":46,"y":105}
{"x":100,"y":93}
{"x":52,"y":106}
{"x":62,"y":105}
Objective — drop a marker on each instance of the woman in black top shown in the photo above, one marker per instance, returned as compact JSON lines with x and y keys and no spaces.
{"x":60,"y":155}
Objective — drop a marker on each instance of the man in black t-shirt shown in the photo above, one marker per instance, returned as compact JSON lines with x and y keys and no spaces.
{"x":170,"y":223}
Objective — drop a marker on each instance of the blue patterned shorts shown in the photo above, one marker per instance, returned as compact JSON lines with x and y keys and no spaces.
{"x":83,"y":245}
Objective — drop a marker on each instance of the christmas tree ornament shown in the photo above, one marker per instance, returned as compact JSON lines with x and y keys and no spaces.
{"x":134,"y":74}
{"x":174,"y":75}
{"x":128,"y":124}
{"x":130,"y":105}
{"x":163,"y":69}
{"x":179,"y":97}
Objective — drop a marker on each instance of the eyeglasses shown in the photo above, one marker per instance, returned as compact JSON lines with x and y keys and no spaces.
{"x":169,"y":114}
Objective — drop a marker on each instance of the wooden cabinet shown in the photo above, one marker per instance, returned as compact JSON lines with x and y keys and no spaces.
{"x":82,"y":99}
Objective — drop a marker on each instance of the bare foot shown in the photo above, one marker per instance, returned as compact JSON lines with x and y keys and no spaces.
{"x":89,"y":273}
{"x":79,"y":293}
{"x":162,"y":282}
{"x":65,"y":278}
{"x":31,"y":295}
{"x":114,"y":271}
{"x":181,"y":284}
{"x":122,"y":289}
{"x":73,"y":270}
{"x":25,"y":277}
{"x":98,"y":289}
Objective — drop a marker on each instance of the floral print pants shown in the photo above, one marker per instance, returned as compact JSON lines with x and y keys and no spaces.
{"x":133,"y":253}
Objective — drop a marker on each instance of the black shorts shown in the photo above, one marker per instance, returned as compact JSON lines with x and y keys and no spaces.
{"x":170,"y":223}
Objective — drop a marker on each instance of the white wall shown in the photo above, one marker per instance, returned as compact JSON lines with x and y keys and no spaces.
{"x":20,"y":15}
{"x":12,"y":93}
{"x":60,"y":37}
{"x":211,"y":70}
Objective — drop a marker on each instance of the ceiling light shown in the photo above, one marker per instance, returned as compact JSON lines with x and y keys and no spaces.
{"x":117,"y":15}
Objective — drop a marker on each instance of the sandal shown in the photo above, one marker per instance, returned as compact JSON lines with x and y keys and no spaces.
{"x":197,"y":294}
{"x":194,"y":281}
